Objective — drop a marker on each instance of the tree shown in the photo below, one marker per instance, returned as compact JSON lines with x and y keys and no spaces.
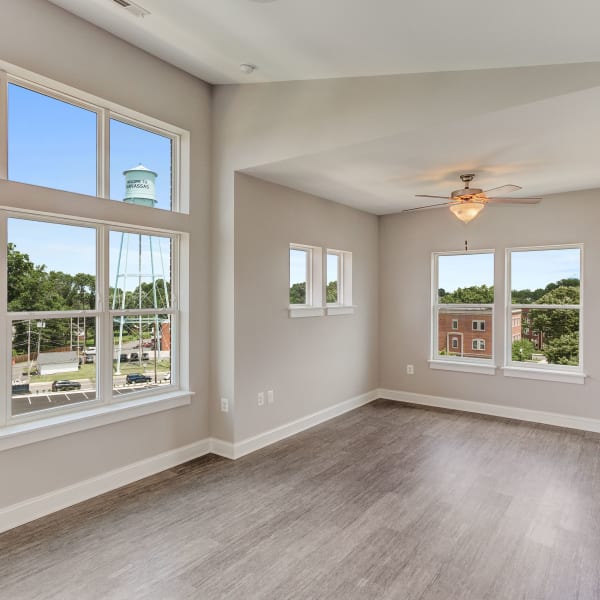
{"x":475,"y":294}
{"x":298,"y":293}
{"x":522,"y":350}
{"x":555,"y":323}
{"x":332,"y":292}
{"x":563,"y":350}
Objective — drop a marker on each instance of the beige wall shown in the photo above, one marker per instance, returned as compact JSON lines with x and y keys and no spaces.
{"x":406,"y":244}
{"x":310,"y":363}
{"x":40,"y":37}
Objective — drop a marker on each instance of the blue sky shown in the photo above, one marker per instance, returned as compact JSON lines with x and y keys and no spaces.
{"x":530,"y":269}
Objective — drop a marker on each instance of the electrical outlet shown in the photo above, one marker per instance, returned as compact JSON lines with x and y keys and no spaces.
{"x":261,"y":398}
{"x":224,"y":405}
{"x":410,"y":369}
{"x":270,"y":397}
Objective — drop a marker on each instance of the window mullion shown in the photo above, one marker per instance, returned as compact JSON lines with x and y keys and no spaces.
{"x":105,"y":342}
{"x":5,"y":329}
{"x":103,"y":154}
{"x":3,"y":125}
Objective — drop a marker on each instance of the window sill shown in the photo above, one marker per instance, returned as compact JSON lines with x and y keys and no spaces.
{"x":21,"y":434}
{"x":545,"y":374}
{"x":462,"y":367}
{"x":305,"y":311}
{"x":340,"y":310}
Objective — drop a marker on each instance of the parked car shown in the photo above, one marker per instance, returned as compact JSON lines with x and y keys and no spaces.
{"x":90,"y":350}
{"x":145,"y":356}
{"x":134,"y":356}
{"x":20,"y":388}
{"x":64,"y":385}
{"x":137,"y":378}
{"x":166,"y":377}
{"x":124,"y":358}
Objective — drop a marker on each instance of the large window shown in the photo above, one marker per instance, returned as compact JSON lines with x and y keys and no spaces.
{"x":90,"y":312}
{"x":60,"y":142}
{"x":545,"y":308}
{"x":463,"y":309}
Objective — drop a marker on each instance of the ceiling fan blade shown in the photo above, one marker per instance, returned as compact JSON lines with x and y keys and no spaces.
{"x":428,"y":196}
{"x":504,"y":189}
{"x":428,"y":207}
{"x":514,"y":200}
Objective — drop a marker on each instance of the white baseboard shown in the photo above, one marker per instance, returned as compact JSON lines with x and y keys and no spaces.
{"x":40,"y":506}
{"x":496,"y":410}
{"x":257,"y":442}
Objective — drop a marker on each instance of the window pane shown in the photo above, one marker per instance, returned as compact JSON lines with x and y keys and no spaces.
{"x":130,"y":148}
{"x":50,"y":142}
{"x":298,"y":275}
{"x":53,"y":363}
{"x":465,"y":332}
{"x":546,"y":276}
{"x":545,"y":336}
{"x":50,"y":266}
{"x":333,"y":273}
{"x":140,"y":271}
{"x":466,"y":279}
{"x":142,"y":352}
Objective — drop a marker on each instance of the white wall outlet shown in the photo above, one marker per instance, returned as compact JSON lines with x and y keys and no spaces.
{"x":224,"y":405}
{"x":410,"y":369}
{"x":261,"y":398}
{"x":270,"y":396}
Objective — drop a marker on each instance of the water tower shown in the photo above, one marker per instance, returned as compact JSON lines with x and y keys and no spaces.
{"x":131,"y":271}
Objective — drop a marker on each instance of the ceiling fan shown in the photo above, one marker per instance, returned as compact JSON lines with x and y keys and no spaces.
{"x":467,"y":203}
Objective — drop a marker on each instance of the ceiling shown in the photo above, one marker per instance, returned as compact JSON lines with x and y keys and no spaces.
{"x":315,"y":39}
{"x":548,"y":146}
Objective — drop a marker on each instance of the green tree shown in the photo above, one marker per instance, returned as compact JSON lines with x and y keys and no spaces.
{"x":332,"y":292}
{"x":298,"y":293}
{"x":475,"y":294}
{"x":563,"y":350}
{"x":522,"y":350}
{"x":555,"y":323}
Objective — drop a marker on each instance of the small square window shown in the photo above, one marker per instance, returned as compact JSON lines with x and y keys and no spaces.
{"x":455,"y":324}
{"x":305,"y":292}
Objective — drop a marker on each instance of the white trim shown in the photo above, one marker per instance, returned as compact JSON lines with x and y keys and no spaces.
{"x":29,"y":432}
{"x":462,"y":366}
{"x":40,"y":506}
{"x":251,"y":444}
{"x":545,"y":374}
{"x":496,"y":410}
{"x":305,"y":311}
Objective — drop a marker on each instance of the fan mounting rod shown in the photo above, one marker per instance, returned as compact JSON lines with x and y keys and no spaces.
{"x":467,"y":178}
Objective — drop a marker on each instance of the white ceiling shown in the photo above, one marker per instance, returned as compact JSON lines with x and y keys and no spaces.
{"x":546,"y":147}
{"x":313,"y":39}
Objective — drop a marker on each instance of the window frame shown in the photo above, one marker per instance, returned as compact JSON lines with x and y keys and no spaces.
{"x":314,"y":277}
{"x":484,"y":366}
{"x":29,"y":201}
{"x":344,"y":305}
{"x":549,"y":372}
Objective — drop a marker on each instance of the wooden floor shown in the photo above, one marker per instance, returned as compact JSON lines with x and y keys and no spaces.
{"x":386,"y":502}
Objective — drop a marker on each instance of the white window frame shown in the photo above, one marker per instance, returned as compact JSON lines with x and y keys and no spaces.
{"x":454,"y":324}
{"x":344,"y":304}
{"x":548,"y":372}
{"x":314,"y":283}
{"x":478,"y":344}
{"x":28,"y":201}
{"x":484,"y":366}
{"x":478,"y":325}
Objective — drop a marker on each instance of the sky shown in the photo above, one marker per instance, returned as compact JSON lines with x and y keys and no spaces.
{"x":532,"y":269}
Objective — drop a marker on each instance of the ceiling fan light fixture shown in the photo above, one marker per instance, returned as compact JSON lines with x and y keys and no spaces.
{"x":466,"y":211}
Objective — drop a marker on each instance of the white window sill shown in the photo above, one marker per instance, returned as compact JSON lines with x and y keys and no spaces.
{"x":47,"y":428}
{"x":306,"y":311}
{"x":545,"y":374}
{"x":340,"y":309}
{"x":462,"y":367}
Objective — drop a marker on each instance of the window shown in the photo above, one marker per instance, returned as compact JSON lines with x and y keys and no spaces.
{"x":91,"y":312}
{"x":338,"y":290}
{"x":463,"y":309}
{"x":54,"y":141}
{"x":544,"y":308}
{"x":478,"y":344}
{"x":305,"y":281}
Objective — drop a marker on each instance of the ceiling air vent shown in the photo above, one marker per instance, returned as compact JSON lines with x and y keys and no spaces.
{"x":134,"y":9}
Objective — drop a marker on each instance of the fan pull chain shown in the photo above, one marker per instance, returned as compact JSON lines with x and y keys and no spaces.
{"x":466,"y":246}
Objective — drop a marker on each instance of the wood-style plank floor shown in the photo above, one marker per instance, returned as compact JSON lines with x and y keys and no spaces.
{"x":387,"y":502}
